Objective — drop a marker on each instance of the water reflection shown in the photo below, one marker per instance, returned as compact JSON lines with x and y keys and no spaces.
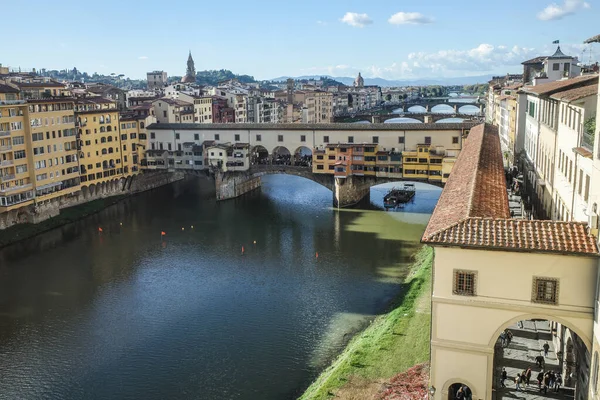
{"x":124,"y":314}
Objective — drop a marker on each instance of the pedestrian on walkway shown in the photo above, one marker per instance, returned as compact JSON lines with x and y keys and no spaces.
{"x":540,"y":379}
{"x":520,"y":324}
{"x":467,"y":392}
{"x":546,"y":348}
{"x":509,"y":336}
{"x":539,"y":360}
{"x":518,"y":382}
{"x":503,"y":338}
{"x":546,"y":381}
{"x":460,"y":395}
{"x":503,"y":378}
{"x":528,"y":375}
{"x":557,"y":382}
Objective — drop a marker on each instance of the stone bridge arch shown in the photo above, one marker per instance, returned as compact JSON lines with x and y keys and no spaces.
{"x":281,"y":155}
{"x":259,"y":155}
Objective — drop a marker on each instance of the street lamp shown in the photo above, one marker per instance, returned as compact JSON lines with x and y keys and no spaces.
{"x":432,"y":390}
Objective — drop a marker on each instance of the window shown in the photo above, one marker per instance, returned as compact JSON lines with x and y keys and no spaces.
{"x":325,"y":139}
{"x":427,"y":139}
{"x":587,"y":188}
{"x":303,"y":138}
{"x":196,"y":136}
{"x":152,"y":135}
{"x":401,"y":139}
{"x":217,"y":136}
{"x":464,"y":283}
{"x":258,"y":138}
{"x":375,"y":139}
{"x":545,"y":290}
{"x":454,"y":139}
{"x":350,"y":139}
{"x":177,"y":136}
{"x":556,"y":67}
{"x":280,"y":138}
{"x":237,"y":137}
{"x":18,"y":140}
{"x":320,"y":166}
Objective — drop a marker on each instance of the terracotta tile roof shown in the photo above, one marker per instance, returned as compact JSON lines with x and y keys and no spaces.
{"x":8,"y":89}
{"x":473,"y":210}
{"x":476,"y":186}
{"x":519,"y":235}
{"x":583,"y":152}
{"x":577,"y":93}
{"x":553,"y":87}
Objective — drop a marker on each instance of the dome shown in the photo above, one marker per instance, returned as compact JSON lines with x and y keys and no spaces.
{"x":359,"y":81}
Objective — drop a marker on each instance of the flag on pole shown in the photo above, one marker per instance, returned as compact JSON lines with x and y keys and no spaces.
{"x":556,"y":42}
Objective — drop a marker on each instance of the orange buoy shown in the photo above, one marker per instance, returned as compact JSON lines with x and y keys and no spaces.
{"x":242,"y":249}
{"x":317,"y":254}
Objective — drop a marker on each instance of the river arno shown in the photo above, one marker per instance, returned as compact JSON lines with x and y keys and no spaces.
{"x":122,"y":315}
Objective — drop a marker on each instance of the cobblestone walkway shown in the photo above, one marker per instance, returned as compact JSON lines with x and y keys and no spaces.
{"x":519,"y":355}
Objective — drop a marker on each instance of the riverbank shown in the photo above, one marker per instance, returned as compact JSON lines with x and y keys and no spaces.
{"x":392,"y":343}
{"x":20,"y":232}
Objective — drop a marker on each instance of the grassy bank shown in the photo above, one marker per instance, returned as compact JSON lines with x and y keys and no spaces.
{"x":24,"y":231}
{"x":394,"y":342}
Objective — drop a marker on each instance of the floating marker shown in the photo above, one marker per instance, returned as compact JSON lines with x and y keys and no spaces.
{"x":99,"y":229}
{"x":255,"y":242}
{"x":120,"y":223}
{"x":242,"y":249}
{"x":182,"y":228}
{"x":317,"y":254}
{"x":192,"y":227}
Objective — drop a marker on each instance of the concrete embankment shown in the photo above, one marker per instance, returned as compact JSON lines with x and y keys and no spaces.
{"x":391,"y":344}
{"x":33,"y":220}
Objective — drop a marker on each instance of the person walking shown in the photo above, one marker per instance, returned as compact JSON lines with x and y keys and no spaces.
{"x":546,"y":348}
{"x":539,"y":360}
{"x":520,"y":324}
{"x":509,"y":336}
{"x":503,"y":338}
{"x":557,"y":382}
{"x":528,"y":375}
{"x":460,"y":394}
{"x":467,"y":392}
{"x":540,"y":379}
{"x":503,"y":378}
{"x":546,"y":382}
{"x":518,"y":383}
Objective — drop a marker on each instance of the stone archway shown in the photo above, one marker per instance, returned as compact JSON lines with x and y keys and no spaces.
{"x":302,"y":157}
{"x":259,"y":155}
{"x":281,"y":156}
{"x":452,"y":385}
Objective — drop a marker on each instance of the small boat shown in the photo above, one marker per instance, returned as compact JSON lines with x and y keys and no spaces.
{"x":397,"y":197}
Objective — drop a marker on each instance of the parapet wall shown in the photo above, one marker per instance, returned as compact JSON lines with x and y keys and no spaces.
{"x":123,"y":186}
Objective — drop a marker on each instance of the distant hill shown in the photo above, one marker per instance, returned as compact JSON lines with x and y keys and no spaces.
{"x":213,"y":77}
{"x":466,"y":80}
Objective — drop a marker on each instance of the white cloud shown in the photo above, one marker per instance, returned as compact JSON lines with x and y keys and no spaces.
{"x":413,"y":18}
{"x":356,"y":20}
{"x":480,"y":60}
{"x":557,"y":11}
{"x":142,"y":57}
{"x":322,"y":23}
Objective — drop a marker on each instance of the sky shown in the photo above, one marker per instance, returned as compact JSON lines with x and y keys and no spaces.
{"x":267,"y":39}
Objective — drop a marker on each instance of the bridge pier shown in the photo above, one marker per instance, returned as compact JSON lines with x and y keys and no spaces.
{"x":230,"y":185}
{"x":351,"y":190}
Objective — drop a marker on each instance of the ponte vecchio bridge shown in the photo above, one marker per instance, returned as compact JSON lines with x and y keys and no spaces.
{"x":388,"y":152}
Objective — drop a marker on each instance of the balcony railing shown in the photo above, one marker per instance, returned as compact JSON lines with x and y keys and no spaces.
{"x":7,"y":177}
{"x":6,"y":163}
{"x":5,"y":148}
{"x":9,"y":102}
{"x":587,"y":141}
{"x":15,"y":188}
{"x":4,"y":133}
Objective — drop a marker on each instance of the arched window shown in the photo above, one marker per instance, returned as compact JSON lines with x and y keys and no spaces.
{"x":103,"y":140}
{"x":103,"y":151}
{"x":108,"y":119}
{"x":102,"y":129}
{"x":101,"y":119}
{"x":110,"y":150}
{"x":108,"y":128}
{"x":110,"y":138}
{"x":594,"y":381}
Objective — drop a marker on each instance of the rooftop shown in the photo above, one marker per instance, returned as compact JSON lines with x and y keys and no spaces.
{"x":536,"y":60}
{"x":559,"y":54}
{"x":326,"y":127}
{"x":577,"y":93}
{"x":8,"y":89}
{"x":556,"y":86}
{"x":473,"y":211}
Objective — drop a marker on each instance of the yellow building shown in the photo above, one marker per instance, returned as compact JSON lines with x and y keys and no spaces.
{"x":16,"y":187}
{"x":52,"y":147}
{"x":101,"y":158}
{"x":134,"y":141}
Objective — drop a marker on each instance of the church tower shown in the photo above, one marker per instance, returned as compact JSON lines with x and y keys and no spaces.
{"x":190,"y":73}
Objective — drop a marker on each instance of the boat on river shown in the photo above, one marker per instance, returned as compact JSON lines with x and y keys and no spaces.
{"x":397,"y":197}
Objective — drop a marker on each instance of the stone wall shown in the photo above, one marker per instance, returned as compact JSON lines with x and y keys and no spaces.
{"x":349,"y":191}
{"x":229,"y":185}
{"x":121,"y":186}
